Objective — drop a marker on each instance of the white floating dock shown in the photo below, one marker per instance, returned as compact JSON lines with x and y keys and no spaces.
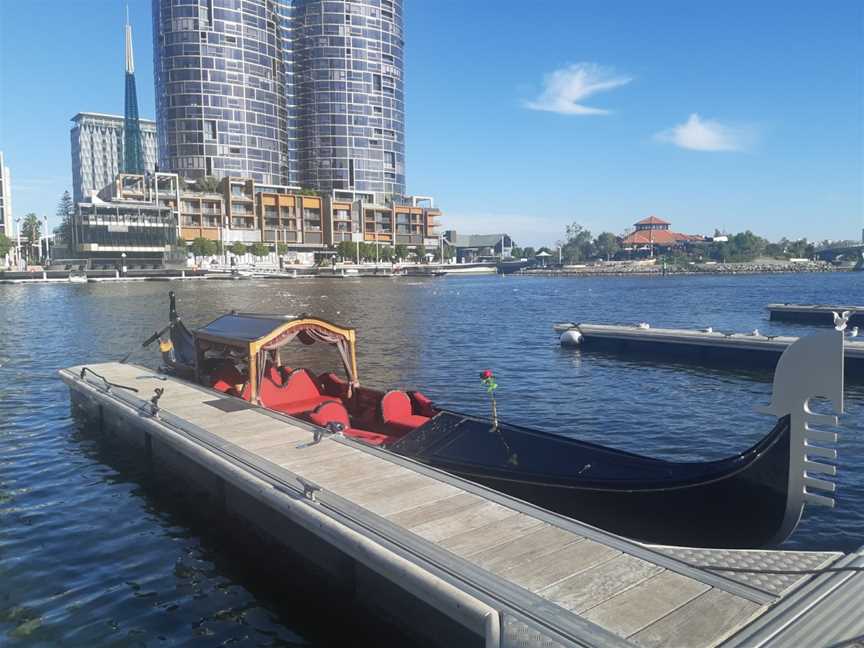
{"x":458,"y":563}
{"x":814,"y":313}
{"x":741,"y":350}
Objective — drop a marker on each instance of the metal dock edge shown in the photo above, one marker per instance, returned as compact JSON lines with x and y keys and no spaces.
{"x":507,"y":572}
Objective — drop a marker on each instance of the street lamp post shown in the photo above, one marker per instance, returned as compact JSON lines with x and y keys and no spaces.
{"x":18,"y":242}
{"x":47,"y":250}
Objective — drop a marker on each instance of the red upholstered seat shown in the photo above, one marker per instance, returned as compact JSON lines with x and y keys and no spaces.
{"x":333,"y":412}
{"x":274,"y":373}
{"x":422,"y":404}
{"x":299,"y":394}
{"x":397,"y":412}
{"x":333,"y":385}
{"x":305,"y":405}
{"x":225,"y":376}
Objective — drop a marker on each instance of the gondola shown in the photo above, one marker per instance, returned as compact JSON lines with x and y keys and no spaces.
{"x":753,"y":499}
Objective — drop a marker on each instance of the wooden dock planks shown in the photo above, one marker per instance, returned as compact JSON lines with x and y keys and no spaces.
{"x":632,"y":597}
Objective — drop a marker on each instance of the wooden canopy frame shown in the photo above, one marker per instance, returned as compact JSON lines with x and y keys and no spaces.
{"x":254,"y":347}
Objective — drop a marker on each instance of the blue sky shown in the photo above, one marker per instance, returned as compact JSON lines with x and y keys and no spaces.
{"x":525,"y":117}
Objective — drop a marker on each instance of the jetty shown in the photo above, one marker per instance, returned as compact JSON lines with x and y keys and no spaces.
{"x":454,"y":562}
{"x":814,"y":313}
{"x":705,"y":346}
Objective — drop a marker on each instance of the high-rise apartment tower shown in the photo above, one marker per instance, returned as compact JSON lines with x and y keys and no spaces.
{"x":98,"y":150}
{"x":306,"y":92}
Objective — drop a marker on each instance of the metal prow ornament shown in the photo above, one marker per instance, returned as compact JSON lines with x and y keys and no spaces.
{"x":811,"y":367}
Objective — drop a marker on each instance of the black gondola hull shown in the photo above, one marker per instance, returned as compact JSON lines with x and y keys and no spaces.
{"x":734,"y":503}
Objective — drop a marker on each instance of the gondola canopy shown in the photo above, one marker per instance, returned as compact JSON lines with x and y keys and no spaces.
{"x":256,"y":336}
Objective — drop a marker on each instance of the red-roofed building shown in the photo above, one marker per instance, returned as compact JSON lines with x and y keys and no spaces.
{"x":654,"y":232}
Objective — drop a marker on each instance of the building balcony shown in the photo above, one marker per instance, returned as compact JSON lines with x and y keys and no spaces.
{"x":409,"y":239}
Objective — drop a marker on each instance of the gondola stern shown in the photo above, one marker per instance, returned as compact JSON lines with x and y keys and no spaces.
{"x":811,"y":367}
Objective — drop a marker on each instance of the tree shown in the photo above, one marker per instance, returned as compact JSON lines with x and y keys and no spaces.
{"x":347,"y":250}
{"x":307,"y":192}
{"x":578,"y":246}
{"x":516,"y":252}
{"x":259,"y":250}
{"x":237,"y":248}
{"x":529,"y":253}
{"x":31,"y":229}
{"x":180,"y":243}
{"x":202,"y":247}
{"x":385,"y":253}
{"x":281,"y":248}
{"x":420,"y":251}
{"x":65,"y":213}
{"x":208,"y":184}
{"x":401,"y":252}
{"x":6,"y":244}
{"x":606,"y":245}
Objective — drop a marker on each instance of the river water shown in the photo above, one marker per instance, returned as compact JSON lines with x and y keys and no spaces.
{"x":91,"y":556}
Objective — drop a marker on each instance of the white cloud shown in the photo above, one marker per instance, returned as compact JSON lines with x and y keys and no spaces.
{"x":697,"y":134}
{"x":565,"y":89}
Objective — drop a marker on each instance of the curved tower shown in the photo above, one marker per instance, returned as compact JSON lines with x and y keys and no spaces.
{"x":349,"y":94}
{"x":221,"y":97}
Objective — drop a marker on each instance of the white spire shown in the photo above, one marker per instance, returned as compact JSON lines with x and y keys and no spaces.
{"x":130,"y":60}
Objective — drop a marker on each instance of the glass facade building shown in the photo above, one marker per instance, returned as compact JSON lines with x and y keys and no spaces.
{"x":98,"y":150}
{"x":290,"y":92}
{"x":349,"y":93}
{"x":221,"y":103}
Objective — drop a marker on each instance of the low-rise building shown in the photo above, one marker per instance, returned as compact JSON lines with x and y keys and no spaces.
{"x":132,"y":220}
{"x":470,"y":248}
{"x":239,"y":209}
{"x":652,"y":233}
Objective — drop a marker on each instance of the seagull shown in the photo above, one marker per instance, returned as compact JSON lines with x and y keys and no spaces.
{"x":643,"y":325}
{"x":755,"y":332}
{"x":708,"y":329}
{"x":853,"y":332}
{"x":841,"y":320}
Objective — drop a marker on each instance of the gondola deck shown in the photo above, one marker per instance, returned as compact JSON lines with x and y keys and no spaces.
{"x":503,"y":569}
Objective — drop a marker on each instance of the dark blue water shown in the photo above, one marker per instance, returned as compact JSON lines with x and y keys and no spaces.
{"x":92,"y":555}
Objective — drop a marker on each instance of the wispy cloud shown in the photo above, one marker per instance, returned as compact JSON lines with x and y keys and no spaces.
{"x":564,"y":90}
{"x":697,"y":134}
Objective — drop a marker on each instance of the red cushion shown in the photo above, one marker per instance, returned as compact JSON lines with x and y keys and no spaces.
{"x":272,"y":395}
{"x":222,"y":386}
{"x":301,"y":406}
{"x":300,"y":386}
{"x":330,"y":412}
{"x":369,"y":437}
{"x":333,"y":412}
{"x":407,"y":423}
{"x":273,"y":373}
{"x":225,"y":375}
{"x":395,"y":405}
{"x":422,"y":404}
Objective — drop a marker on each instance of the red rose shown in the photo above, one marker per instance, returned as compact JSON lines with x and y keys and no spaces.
{"x":486,"y":374}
